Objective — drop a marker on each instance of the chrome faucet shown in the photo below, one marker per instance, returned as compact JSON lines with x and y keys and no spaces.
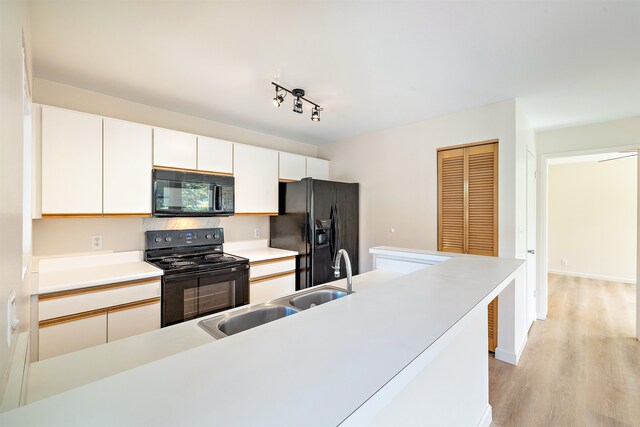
{"x":347,"y":264}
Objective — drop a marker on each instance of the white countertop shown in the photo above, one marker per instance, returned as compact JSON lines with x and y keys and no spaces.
{"x":262,"y":254}
{"x":313,"y":368}
{"x":82,"y":271}
{"x":55,"y":375}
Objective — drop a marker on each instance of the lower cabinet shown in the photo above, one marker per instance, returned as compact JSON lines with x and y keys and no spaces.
{"x":129,"y":321}
{"x":82,"y":318}
{"x":66,"y":335}
{"x":271,"y":279}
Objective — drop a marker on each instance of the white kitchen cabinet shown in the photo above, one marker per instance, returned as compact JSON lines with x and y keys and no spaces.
{"x":266,"y":290}
{"x":68,"y":320}
{"x":126,"y":322}
{"x":71,"y":163}
{"x":272,"y":278}
{"x":127,"y":167}
{"x":72,"y":335}
{"x":317,"y":168}
{"x":256,"y":180}
{"x":293,"y":167}
{"x":174,"y":149}
{"x":215,"y":155}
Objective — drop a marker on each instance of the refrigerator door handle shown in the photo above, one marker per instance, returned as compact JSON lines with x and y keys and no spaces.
{"x":337,"y":229}
{"x":332,"y":242}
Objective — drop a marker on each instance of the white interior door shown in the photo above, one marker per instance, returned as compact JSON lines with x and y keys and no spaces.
{"x":531,"y":238}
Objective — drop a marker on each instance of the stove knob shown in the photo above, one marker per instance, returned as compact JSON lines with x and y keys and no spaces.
{"x":208,"y":236}
{"x":167,"y":239}
{"x":158,"y":239}
{"x":216,"y":236}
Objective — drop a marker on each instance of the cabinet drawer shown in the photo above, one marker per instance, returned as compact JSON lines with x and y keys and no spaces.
{"x":72,"y":335}
{"x":267,"y":268}
{"x":137,"y":319}
{"x":81,"y":300}
{"x":270,"y":289}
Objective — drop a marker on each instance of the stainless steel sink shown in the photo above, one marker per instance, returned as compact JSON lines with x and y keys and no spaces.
{"x":232,"y":323}
{"x":239,"y":320}
{"x":314,"y":298}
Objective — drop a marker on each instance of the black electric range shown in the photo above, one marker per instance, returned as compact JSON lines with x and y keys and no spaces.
{"x":199,"y":278}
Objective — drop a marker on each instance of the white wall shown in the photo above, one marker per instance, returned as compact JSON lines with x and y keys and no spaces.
{"x":592,"y":219}
{"x":54,"y":236}
{"x":397,"y":172}
{"x":71,"y":235}
{"x":14,"y":19}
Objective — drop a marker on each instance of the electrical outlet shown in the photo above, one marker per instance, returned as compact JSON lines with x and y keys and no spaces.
{"x":565,"y":262}
{"x":256,"y":232}
{"x":96,"y":241}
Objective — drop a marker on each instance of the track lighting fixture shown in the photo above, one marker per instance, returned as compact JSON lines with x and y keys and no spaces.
{"x":279,"y":98}
{"x":281,"y":92}
{"x":315,"y":114}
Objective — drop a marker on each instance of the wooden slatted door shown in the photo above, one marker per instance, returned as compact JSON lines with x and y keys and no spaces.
{"x":468,"y":208}
{"x":451,"y":213}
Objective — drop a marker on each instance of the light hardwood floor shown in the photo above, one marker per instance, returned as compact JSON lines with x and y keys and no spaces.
{"x":581,"y":366}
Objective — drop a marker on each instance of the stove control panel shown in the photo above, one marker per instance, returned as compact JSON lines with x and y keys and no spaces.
{"x":157,"y":239}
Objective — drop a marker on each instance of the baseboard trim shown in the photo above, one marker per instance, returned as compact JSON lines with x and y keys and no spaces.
{"x":487,"y":417}
{"x":593,"y":276}
{"x":510,"y":356}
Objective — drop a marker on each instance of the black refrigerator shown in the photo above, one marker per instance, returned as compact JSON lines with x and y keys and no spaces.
{"x":316,"y":218}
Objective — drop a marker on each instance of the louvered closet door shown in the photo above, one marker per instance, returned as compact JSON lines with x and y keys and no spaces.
{"x":468,"y":208}
{"x":482,"y":211}
{"x":451,"y":213}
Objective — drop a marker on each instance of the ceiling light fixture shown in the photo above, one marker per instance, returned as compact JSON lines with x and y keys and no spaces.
{"x":281,"y":92}
{"x":279,"y":98}
{"x":315,"y":114}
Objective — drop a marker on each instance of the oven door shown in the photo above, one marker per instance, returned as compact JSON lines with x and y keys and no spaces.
{"x":192,"y":295}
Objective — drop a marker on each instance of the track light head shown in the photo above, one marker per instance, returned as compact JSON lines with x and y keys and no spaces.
{"x":297,"y":105}
{"x":315,"y":114}
{"x":277,"y":100}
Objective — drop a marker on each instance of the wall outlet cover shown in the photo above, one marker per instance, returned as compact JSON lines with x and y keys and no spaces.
{"x":564,"y":262}
{"x":256,"y":232}
{"x":96,"y":241}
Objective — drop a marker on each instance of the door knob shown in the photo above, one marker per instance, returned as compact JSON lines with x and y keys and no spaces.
{"x":532,"y":251}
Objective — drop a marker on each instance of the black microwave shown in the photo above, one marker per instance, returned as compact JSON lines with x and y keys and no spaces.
{"x":177,"y":193}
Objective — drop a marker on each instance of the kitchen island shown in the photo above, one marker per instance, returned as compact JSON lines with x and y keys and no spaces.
{"x":410,"y":349}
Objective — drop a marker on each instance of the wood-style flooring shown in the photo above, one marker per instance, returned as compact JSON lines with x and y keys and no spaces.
{"x":581,"y":366}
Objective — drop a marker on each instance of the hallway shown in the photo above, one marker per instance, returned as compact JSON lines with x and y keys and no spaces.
{"x":581,"y":366}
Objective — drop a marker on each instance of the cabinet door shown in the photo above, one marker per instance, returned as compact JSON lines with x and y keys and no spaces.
{"x":66,"y":336}
{"x":451,"y":214}
{"x":137,"y":319}
{"x":482,"y":230}
{"x":215,"y":155}
{"x":256,"y":180}
{"x":292,"y":167}
{"x":265,"y":290}
{"x":127,"y":168}
{"x":317,"y":168}
{"x":174,"y":149}
{"x":71,"y":162}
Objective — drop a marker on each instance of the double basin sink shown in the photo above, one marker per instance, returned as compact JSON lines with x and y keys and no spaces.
{"x":237,"y":321}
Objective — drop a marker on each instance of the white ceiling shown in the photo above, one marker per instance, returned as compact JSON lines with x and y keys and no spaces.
{"x":371,"y":65}
{"x":590,"y":158}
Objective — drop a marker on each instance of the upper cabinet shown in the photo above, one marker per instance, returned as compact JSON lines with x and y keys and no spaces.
{"x":317,"y":168}
{"x":127,"y":168}
{"x":71,"y":163}
{"x":174,"y":149}
{"x":256,"y":180}
{"x":215,"y":155}
{"x":293,"y":167}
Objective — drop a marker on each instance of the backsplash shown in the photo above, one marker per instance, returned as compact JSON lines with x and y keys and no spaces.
{"x":54,"y":236}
